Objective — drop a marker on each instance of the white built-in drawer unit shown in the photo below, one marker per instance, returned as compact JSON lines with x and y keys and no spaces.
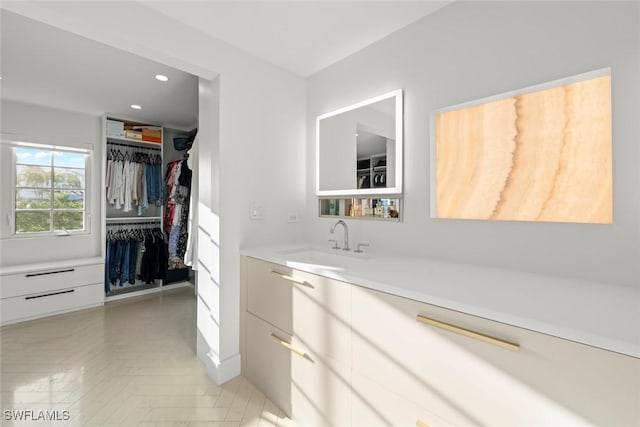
{"x":330,"y":353}
{"x":297,"y":342}
{"x":38,"y":290}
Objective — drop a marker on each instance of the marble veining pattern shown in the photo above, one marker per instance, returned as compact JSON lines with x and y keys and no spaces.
{"x":538,"y":156}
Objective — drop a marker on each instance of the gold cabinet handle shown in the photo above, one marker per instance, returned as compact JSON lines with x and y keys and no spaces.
{"x":468,"y":333}
{"x":421,"y":423}
{"x":292,"y":279}
{"x":289,"y":345}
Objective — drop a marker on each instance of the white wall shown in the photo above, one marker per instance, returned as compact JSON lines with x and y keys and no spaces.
{"x":26,"y":122}
{"x":169,"y":153}
{"x":471,"y":50}
{"x":261,"y":132}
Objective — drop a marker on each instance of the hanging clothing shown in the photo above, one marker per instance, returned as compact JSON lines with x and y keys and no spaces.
{"x":190,"y":255}
{"x":154,"y":260}
{"x":134,"y":255}
{"x":133,"y":179}
{"x":178,"y":180}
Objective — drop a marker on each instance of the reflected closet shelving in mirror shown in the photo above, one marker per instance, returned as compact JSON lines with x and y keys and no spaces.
{"x":372,"y":171}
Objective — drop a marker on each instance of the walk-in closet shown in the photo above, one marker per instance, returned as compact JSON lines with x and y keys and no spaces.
{"x":104,"y":224}
{"x":147,"y":194}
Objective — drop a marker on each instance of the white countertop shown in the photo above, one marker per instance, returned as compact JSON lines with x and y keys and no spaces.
{"x":597,"y":314}
{"x":45,"y":266}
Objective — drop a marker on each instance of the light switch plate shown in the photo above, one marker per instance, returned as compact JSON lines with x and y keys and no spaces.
{"x":256,"y":211}
{"x":292,"y":217}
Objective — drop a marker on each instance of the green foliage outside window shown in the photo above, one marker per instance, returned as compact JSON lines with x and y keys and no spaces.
{"x":41,"y":174}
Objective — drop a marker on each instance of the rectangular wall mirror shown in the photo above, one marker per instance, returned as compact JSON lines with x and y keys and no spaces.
{"x":359,"y":148}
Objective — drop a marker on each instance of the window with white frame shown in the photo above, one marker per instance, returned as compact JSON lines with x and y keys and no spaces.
{"x":50,"y":190}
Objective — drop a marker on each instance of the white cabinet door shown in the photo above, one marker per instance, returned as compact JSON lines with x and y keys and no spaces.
{"x":468,"y":382}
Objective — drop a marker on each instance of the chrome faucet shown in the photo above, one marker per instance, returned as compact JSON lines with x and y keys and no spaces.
{"x":346,"y":233}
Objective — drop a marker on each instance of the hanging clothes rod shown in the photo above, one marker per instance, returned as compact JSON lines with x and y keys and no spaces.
{"x":135,"y":218}
{"x":118,"y":224}
{"x":137,"y":147}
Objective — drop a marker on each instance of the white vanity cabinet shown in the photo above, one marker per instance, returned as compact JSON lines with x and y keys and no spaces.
{"x":346,"y":355}
{"x":297,"y":341}
{"x":466,"y":381}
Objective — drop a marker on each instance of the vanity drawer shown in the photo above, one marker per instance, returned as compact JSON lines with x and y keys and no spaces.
{"x":269,"y":294}
{"x":47,"y":280}
{"x":50,"y":302}
{"x":376,"y":406}
{"x":268,"y":363}
{"x":320,"y":388}
{"x":466,"y":381}
{"x":313,"y":308}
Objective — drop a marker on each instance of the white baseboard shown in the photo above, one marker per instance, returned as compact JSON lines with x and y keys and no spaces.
{"x":157,"y":289}
{"x":220,"y":371}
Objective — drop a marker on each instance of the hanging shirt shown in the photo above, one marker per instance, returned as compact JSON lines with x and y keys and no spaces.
{"x":108,"y":178}
{"x":177,"y":214}
{"x":143,"y":204}
{"x":126,"y":174}
{"x":118,"y":198}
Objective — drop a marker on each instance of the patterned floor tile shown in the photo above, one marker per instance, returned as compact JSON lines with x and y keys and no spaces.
{"x":130,"y":363}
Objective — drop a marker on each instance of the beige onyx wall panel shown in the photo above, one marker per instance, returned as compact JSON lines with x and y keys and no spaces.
{"x":544,"y":155}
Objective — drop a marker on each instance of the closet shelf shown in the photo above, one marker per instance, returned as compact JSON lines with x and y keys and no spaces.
{"x":134,"y":141}
{"x":134,"y":218}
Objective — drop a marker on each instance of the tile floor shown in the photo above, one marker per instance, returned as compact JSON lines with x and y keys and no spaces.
{"x":130,"y":363}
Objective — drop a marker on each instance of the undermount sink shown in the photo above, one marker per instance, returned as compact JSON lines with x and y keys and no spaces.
{"x":334,"y":259}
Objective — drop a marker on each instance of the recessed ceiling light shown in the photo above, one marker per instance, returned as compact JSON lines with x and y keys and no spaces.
{"x":136,"y":106}
{"x":162,"y":78}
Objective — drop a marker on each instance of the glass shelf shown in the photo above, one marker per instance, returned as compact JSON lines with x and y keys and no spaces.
{"x":376,"y":208}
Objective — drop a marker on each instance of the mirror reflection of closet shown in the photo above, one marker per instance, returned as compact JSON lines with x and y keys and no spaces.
{"x":359,"y":148}
{"x":375,"y":153}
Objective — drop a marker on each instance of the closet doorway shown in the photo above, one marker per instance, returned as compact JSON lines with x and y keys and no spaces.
{"x":130,"y":111}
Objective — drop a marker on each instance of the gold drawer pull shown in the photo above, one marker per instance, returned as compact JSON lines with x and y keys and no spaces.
{"x":421,"y":423}
{"x":293,"y":280}
{"x":288,"y":345}
{"x":468,"y":333}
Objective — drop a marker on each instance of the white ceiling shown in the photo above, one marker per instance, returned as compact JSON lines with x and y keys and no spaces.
{"x":300,"y":36}
{"x":47,"y":66}
{"x":43,"y":65}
